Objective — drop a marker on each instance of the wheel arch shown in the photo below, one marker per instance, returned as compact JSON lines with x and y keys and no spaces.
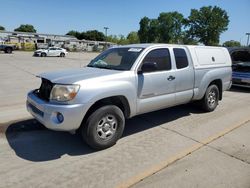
{"x":218,"y":83}
{"x":119,"y":101}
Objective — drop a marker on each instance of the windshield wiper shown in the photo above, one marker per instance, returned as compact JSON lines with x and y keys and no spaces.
{"x":107,"y":67}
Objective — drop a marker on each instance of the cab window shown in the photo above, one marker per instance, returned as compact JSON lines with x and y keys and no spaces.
{"x":161,"y":57}
{"x":180,"y":58}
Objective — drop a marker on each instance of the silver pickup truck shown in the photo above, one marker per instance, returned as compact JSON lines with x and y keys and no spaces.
{"x":126,"y":81}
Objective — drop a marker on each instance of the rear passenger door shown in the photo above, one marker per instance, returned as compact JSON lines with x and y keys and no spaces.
{"x":156,"y":89}
{"x":58,"y":51}
{"x":184,"y":76}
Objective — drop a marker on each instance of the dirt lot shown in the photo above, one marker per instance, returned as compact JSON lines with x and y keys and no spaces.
{"x":175,"y":147}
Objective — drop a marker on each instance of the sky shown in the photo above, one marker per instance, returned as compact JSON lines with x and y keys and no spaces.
{"x":120,"y":16}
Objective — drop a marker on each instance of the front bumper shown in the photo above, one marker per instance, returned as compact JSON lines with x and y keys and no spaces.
{"x":46,"y":113}
{"x":37,"y":54}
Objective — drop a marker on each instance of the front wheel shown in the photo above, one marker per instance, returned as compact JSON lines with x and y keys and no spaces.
{"x":103,"y":127}
{"x":43,"y":54}
{"x":211,"y":98}
{"x":8,"y":50}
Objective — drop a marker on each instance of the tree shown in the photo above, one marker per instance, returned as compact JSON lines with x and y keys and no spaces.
{"x":153,"y":31}
{"x":26,"y":28}
{"x":88,"y":35}
{"x":94,"y":35}
{"x":144,"y":29}
{"x":207,"y":24}
{"x":76,"y":34}
{"x":232,"y":43}
{"x":167,"y":28}
{"x":188,"y":40}
{"x":2,"y":28}
{"x":113,"y":39}
{"x":121,"y":39}
{"x":133,"y":37}
{"x":170,"y":27}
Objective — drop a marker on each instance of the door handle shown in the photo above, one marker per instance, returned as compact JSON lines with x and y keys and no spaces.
{"x":170,"y":78}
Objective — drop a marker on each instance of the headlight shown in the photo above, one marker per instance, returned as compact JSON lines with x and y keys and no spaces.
{"x":64,"y":93}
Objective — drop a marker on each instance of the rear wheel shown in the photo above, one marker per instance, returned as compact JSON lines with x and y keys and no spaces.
{"x":211,"y":98}
{"x":62,"y":55}
{"x":103,"y":127}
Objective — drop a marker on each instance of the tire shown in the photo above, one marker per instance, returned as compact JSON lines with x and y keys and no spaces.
{"x":210,"y":99}
{"x":103,"y":127}
{"x":8,"y":50}
{"x":43,"y":54}
{"x":62,"y":55}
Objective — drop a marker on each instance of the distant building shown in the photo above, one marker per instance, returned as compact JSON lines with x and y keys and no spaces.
{"x":45,"y":40}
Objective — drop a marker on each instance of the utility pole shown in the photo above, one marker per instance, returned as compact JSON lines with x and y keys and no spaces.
{"x":248,"y":34}
{"x":106,"y":34}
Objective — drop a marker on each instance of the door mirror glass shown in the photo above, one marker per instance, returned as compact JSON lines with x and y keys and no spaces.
{"x":149,"y":67}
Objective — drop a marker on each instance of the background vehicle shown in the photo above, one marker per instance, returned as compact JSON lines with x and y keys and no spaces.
{"x":52,"y":51}
{"x":126,"y":81}
{"x":241,"y":66}
{"x":7,"y":48}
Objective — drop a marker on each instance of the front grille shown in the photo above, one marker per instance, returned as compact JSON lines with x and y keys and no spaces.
{"x":35,"y":110}
{"x":44,"y":91}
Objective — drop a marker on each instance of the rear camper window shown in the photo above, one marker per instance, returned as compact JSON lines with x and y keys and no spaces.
{"x":180,"y":58}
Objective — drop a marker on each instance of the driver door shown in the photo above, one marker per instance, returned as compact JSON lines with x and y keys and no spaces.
{"x":156,"y":89}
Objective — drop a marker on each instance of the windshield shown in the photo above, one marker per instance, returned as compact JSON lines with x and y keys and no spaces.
{"x":241,"y":56}
{"x":116,"y":58}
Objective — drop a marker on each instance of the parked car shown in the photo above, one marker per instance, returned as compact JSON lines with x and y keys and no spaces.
{"x":7,"y":48}
{"x":52,"y":51}
{"x":241,"y":66}
{"x":126,"y":81}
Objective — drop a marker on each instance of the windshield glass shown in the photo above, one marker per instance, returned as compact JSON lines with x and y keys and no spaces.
{"x":241,"y":56}
{"x":116,"y":58}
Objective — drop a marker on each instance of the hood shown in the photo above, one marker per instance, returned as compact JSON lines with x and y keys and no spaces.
{"x":72,"y":76}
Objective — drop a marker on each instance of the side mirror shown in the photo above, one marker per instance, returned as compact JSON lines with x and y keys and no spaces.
{"x":149,"y":67}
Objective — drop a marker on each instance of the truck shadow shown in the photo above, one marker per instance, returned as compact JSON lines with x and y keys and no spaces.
{"x":239,"y":89}
{"x":32,"y":141}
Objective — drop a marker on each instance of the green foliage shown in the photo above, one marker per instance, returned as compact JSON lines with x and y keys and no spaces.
{"x":94,"y":35}
{"x":170,"y":27}
{"x":121,"y":39}
{"x":26,"y":28}
{"x":167,"y":28}
{"x":76,"y":34}
{"x":153,"y":31}
{"x":2,"y":28}
{"x":188,"y":40}
{"x":232,"y":43}
{"x":133,"y":38}
{"x":88,"y":35}
{"x":144,"y":30}
{"x":202,"y":26}
{"x":207,"y":24}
